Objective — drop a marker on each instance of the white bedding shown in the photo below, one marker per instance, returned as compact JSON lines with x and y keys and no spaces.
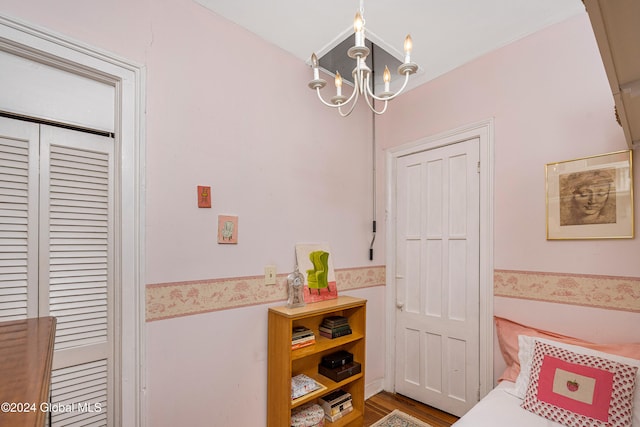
{"x":499,"y":408}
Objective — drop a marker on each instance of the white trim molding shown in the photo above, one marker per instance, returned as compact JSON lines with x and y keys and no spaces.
{"x":128,"y":79}
{"x":484,"y":132}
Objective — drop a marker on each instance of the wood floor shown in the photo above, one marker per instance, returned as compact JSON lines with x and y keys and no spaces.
{"x":383,"y":403}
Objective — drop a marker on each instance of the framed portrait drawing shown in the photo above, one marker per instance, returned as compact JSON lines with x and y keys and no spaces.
{"x":591,"y":198}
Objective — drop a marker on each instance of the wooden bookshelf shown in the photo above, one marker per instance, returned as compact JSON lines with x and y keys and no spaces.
{"x":285,"y":363}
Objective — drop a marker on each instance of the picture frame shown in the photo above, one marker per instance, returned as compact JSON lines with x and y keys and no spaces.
{"x":315,"y":263}
{"x":227,"y":229}
{"x":590,"y":197}
{"x":204,"y":196}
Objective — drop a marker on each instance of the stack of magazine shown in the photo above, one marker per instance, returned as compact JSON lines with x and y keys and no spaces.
{"x":302,"y":384}
{"x":334,"y":327}
{"x":336,"y":405}
{"x":302,"y":337}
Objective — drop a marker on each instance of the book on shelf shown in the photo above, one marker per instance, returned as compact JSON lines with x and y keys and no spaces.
{"x":336,"y":334}
{"x":302,"y":384}
{"x":335,"y":396}
{"x":333,"y":328}
{"x":335,"y":402}
{"x":295,"y":346}
{"x":335,"y":321}
{"x":300,"y":332}
{"x":338,"y":415}
{"x":303,"y":339}
{"x":302,"y":336}
{"x":331,"y":411}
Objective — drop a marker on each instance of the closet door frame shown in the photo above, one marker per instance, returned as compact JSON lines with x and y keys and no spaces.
{"x":128,"y":79}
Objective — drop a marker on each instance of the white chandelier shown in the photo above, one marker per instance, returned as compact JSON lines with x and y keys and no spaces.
{"x":362,"y":84}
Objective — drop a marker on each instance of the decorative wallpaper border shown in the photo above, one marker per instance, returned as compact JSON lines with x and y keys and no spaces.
{"x":610,"y":292}
{"x":168,"y":300}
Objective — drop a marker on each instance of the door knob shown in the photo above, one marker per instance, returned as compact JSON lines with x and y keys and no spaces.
{"x":399,"y":305}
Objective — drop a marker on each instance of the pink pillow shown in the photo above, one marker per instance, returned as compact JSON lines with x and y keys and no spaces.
{"x":508,"y":332}
{"x":578,"y":390}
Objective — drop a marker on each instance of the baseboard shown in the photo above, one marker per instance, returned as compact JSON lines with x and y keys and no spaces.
{"x":373,"y":388}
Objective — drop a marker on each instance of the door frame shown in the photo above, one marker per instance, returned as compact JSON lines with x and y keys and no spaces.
{"x":128,"y":79}
{"x":484,"y":132}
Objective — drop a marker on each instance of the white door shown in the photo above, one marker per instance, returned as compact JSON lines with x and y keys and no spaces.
{"x":438,"y":276}
{"x":48,"y":77}
{"x":56,"y":256}
{"x":77,"y":270}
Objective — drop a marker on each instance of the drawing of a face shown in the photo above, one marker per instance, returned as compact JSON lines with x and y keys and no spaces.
{"x":590,"y":199}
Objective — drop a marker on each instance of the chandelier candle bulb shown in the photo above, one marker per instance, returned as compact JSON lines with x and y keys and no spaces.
{"x":338,"y":84}
{"x":358,"y":26}
{"x":314,"y":62}
{"x":386,"y":76}
{"x":408,"y":46}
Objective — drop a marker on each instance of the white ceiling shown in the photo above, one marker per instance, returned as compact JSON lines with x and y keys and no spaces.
{"x":445,"y":33}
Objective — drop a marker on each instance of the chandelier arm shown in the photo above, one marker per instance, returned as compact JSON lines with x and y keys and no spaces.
{"x":328,"y":104}
{"x":389,"y":98}
{"x":353,"y":105}
{"x":323,"y":101}
{"x":372,"y":108}
{"x":354,"y":94}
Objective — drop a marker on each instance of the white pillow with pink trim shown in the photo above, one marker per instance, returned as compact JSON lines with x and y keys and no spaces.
{"x":579,"y":390}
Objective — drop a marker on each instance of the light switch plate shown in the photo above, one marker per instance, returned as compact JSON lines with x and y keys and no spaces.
{"x":270,"y":275}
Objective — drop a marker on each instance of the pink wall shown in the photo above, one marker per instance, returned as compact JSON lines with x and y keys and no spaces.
{"x":226,"y":109}
{"x":550,"y":100}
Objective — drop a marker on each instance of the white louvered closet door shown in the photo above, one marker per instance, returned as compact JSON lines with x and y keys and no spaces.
{"x":76,"y":270}
{"x":56,"y":244}
{"x":18,"y":219}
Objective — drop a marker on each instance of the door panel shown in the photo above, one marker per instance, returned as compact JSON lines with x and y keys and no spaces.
{"x":18,"y":219}
{"x":77,"y":269}
{"x":437,"y":276}
{"x":56,"y":256}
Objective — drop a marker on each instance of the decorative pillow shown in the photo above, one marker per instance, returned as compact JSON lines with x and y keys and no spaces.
{"x":525,"y":354}
{"x":526,"y":346}
{"x":578,"y":390}
{"x":508,"y":332}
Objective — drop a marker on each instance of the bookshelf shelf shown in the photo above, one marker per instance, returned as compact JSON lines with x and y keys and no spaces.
{"x":310,"y":396}
{"x":323,"y":344}
{"x":284,"y":363}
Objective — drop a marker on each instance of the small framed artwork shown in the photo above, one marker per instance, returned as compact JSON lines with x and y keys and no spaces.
{"x":227,"y":229}
{"x":591,"y":197}
{"x":204,"y":196}
{"x":315,"y":263}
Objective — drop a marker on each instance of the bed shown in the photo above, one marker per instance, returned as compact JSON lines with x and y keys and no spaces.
{"x":501,"y":405}
{"x":553,"y":380}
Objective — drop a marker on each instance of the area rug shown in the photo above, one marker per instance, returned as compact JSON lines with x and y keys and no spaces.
{"x":399,"y":419}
